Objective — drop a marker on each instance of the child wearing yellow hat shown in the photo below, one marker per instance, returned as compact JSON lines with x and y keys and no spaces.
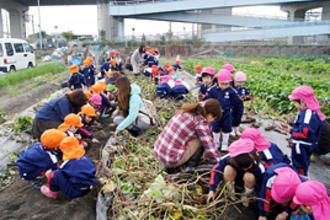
{"x":76,"y":79}
{"x":40,"y":157}
{"x":75,"y":177}
{"x":87,"y":116}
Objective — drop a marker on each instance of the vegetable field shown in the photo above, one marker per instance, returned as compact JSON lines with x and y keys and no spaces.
{"x":270,"y":84}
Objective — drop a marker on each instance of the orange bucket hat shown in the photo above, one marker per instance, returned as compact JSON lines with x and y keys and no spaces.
{"x":103,"y":85}
{"x":86,"y":63}
{"x":52,"y":138}
{"x":74,"y":69}
{"x":88,"y":94}
{"x":88,"y":110}
{"x":90,"y":59}
{"x":70,"y":120}
{"x":71,"y":148}
{"x":113,"y":62}
{"x":96,"y":89}
{"x":107,"y":73}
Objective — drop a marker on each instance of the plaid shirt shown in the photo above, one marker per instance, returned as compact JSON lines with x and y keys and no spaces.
{"x":173,"y":141}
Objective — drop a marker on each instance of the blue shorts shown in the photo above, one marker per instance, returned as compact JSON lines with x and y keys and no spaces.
{"x":301,"y":157}
{"x":224,"y":124}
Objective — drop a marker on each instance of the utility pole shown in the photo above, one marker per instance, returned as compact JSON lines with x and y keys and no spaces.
{"x":40,"y":35}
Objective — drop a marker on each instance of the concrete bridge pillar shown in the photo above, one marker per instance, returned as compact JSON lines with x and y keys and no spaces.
{"x":111,"y":27}
{"x":17,"y":24}
{"x":1,"y":23}
{"x":326,"y":12}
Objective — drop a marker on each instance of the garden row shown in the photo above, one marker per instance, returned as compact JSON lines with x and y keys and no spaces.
{"x":270,"y":86}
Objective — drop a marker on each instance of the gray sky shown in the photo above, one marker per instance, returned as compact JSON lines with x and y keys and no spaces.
{"x":83,"y":20}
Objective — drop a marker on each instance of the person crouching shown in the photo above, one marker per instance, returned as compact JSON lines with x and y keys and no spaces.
{"x":75,"y":177}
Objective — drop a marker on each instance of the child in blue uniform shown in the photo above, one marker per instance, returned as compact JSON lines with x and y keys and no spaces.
{"x":76,"y":79}
{"x":40,"y":157}
{"x":75,"y":177}
{"x":105,"y":67}
{"x":163,"y":90}
{"x":244,"y":95}
{"x":150,"y":61}
{"x":269,"y":152}
{"x":179,"y":90}
{"x":88,"y":74}
{"x":230,"y":103}
{"x":278,"y":186}
{"x":87,"y":115}
{"x":207,"y":75}
{"x":198,"y":75}
{"x":240,"y":167}
{"x":70,"y":125}
{"x":176,"y":66}
{"x":306,"y":130}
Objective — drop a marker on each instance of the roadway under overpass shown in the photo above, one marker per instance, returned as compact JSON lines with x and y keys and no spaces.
{"x":210,"y":14}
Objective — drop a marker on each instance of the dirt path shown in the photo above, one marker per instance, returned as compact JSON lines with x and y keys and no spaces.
{"x":15,"y":99}
{"x":20,"y":201}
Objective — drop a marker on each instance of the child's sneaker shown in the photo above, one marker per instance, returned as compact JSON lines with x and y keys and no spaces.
{"x":224,"y":147}
{"x":37,"y":184}
{"x":47,"y":192}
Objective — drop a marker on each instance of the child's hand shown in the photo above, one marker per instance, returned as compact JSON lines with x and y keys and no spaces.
{"x":48,"y":172}
{"x":95,"y":141}
{"x":210,"y":196}
{"x":78,"y":136}
{"x":282,"y":216}
{"x":286,"y":128}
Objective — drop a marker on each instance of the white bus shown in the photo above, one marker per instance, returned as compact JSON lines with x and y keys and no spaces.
{"x":15,"y":54}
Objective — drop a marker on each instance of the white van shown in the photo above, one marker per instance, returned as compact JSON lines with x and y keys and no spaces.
{"x":15,"y":54}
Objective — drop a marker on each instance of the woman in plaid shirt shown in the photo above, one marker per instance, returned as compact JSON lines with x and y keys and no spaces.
{"x":187,"y":135}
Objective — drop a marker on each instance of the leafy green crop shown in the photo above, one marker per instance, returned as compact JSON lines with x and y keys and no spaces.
{"x":272,"y":85}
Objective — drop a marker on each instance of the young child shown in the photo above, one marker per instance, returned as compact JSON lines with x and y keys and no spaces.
{"x":76,"y":79}
{"x":241,"y":167}
{"x":88,"y":74}
{"x":269,"y":152}
{"x":244,"y":95}
{"x":229,"y":67}
{"x":87,"y":116}
{"x":306,"y":130}
{"x":207,"y":75}
{"x":176,"y":66}
{"x":105,"y":105}
{"x":198,"y":75}
{"x":91,"y":61}
{"x":75,"y":177}
{"x":179,"y":90}
{"x":229,"y":101}
{"x":314,"y":200}
{"x":163,"y":90}
{"x":105,"y":67}
{"x":70,"y":125}
{"x":40,"y":157}
{"x":278,"y":186}
{"x":118,"y":61}
{"x":150,"y":61}
{"x":96,"y":103}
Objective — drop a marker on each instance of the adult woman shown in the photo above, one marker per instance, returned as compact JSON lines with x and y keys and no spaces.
{"x":130,"y":114}
{"x":187,"y":134}
{"x":52,"y":114}
{"x":136,"y":59}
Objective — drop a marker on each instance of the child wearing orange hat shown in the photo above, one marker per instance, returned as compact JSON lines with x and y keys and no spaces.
{"x":176,"y":66}
{"x":87,"y":116}
{"x":76,"y":79}
{"x":75,"y":177}
{"x":88,"y":73}
{"x":70,"y":125}
{"x":40,"y":157}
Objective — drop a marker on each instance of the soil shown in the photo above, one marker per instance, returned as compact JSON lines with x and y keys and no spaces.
{"x":20,"y":200}
{"x":23,"y":96}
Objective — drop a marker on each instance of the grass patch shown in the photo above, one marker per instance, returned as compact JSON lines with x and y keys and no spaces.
{"x":23,"y":75}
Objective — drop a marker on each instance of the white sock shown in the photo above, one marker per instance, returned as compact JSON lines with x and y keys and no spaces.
{"x":248,"y":190}
{"x":216,"y":137}
{"x":225,"y":138}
